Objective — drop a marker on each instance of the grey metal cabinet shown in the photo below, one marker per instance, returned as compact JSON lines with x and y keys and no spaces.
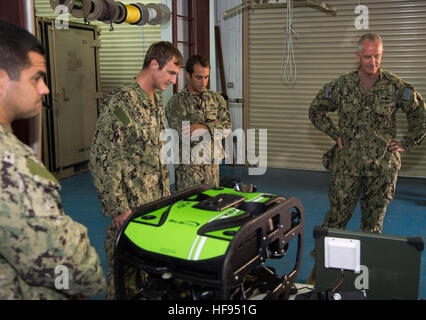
{"x":71,"y":108}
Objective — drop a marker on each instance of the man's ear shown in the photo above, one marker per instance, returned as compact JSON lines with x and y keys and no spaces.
{"x":4,"y":80}
{"x":358,"y":56}
{"x":153,"y":65}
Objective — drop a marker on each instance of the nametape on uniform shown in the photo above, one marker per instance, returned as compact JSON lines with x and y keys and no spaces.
{"x":408,"y":93}
{"x":38,"y":169}
{"x":328,"y":92}
{"x":121,"y":116}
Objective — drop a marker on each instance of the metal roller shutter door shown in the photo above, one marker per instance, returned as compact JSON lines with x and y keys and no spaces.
{"x":325,"y":49}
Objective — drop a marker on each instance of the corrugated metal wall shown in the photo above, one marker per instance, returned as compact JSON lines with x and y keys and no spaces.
{"x":122,"y":51}
{"x":325,"y":49}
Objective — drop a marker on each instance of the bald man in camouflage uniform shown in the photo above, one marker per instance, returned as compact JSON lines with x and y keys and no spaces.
{"x":125,"y":154}
{"x":366,"y":158}
{"x":207,"y":112}
{"x":44,"y":254}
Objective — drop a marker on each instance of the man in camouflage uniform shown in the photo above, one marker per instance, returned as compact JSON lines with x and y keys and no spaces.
{"x":44,"y":254}
{"x":125,"y":154}
{"x":365,"y":160}
{"x":208,"y":114}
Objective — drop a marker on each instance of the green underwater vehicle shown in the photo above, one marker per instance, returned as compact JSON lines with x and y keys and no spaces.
{"x":210,"y":243}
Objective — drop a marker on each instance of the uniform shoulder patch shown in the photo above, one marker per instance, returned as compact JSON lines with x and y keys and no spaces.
{"x":408,"y":94}
{"x":328,"y":92}
{"x":39,"y":170}
{"x":179,"y":108}
{"x":121,"y":116}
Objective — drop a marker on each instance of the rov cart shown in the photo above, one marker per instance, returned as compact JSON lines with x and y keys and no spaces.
{"x":210,"y":243}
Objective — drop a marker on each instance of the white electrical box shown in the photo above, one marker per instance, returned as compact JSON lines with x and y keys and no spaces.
{"x":342,"y":253}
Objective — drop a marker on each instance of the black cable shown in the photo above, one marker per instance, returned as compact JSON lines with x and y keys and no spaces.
{"x":342,"y":271}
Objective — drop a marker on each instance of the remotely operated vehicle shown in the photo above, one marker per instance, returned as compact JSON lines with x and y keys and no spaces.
{"x":210,"y":243}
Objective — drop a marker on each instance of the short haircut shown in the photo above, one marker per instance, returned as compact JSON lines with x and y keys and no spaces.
{"x":193,"y":60}
{"x":15,"y":44}
{"x":163,"y":52}
{"x":372,"y":37}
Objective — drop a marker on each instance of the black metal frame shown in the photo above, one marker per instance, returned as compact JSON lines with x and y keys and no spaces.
{"x":263,"y":236}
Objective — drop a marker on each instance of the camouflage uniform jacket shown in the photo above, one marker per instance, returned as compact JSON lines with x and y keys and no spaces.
{"x":125,"y":154}
{"x":209,"y":109}
{"x":367,"y":122}
{"x":36,"y":236}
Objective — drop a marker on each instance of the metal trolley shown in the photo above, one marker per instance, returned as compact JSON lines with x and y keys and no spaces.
{"x":209,"y":243}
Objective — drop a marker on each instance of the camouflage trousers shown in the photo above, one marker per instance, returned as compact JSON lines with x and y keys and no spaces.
{"x":376,"y":193}
{"x":192,"y":175}
{"x":130,"y":274}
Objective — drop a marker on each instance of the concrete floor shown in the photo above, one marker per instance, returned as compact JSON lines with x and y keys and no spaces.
{"x":405,"y":215}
